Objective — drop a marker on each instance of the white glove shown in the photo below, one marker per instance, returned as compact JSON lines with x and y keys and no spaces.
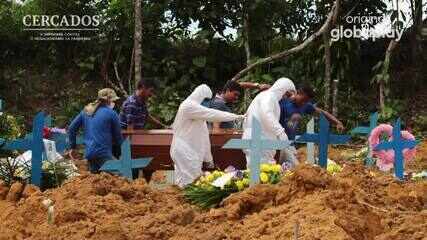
{"x":210,"y":165}
{"x":242,"y":117}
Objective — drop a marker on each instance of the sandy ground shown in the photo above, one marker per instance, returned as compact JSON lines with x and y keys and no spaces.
{"x":358,"y":203}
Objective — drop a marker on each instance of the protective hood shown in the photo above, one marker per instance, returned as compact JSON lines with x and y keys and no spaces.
{"x":200,"y":93}
{"x":191,"y":145}
{"x":280,"y":87}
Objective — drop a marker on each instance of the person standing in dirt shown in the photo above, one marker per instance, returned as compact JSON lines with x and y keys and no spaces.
{"x":134,"y":113}
{"x":291,"y":112}
{"x":101,"y":128}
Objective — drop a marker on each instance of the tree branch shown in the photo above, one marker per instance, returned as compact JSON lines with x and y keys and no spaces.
{"x":119,"y":80}
{"x":331,"y":16}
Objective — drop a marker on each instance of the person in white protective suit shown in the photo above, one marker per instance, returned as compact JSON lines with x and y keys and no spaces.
{"x":266,"y":109}
{"x":190,"y":143}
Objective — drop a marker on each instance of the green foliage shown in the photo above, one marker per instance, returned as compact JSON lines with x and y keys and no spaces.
{"x":166,"y":106}
{"x":10,"y":128}
{"x":178,"y":58}
{"x":207,"y":197}
{"x":53,"y":175}
{"x":420,"y":125}
{"x":392,"y":110}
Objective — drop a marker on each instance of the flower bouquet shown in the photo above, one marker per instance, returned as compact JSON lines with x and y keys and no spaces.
{"x":211,"y":188}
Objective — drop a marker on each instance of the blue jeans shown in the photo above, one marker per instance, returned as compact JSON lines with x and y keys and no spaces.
{"x":95,"y":164}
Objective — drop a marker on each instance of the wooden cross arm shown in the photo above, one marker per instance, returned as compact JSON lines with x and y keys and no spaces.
{"x":237,"y":144}
{"x":338,"y":139}
{"x":116,"y":165}
{"x":384,"y":146}
{"x":410,"y":144}
{"x":361,"y":130}
{"x":308,"y":137}
{"x":274,"y":144}
{"x":19,"y":144}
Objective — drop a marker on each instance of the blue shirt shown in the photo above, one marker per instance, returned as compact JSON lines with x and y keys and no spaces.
{"x":100,"y":131}
{"x":134,"y":112}
{"x":289,"y":108}
{"x":219,"y":103}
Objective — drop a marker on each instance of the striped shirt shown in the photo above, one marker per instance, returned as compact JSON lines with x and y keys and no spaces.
{"x":134,"y":111}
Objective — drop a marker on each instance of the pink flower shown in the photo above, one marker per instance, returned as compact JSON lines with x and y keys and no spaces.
{"x":386,"y":158}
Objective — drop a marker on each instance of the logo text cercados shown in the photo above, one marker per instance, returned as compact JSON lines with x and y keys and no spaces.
{"x":61,"y":21}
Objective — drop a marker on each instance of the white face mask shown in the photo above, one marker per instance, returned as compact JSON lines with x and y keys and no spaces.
{"x":112,"y":104}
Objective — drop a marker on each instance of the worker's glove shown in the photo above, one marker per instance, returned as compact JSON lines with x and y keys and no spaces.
{"x":242,"y":117}
{"x":283,"y":137}
{"x":210,"y":165}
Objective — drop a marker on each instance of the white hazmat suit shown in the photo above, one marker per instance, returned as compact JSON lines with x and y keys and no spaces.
{"x":266,"y":109}
{"x":190,"y":143}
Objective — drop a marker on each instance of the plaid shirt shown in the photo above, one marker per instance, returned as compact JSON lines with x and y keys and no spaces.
{"x":134,"y":111}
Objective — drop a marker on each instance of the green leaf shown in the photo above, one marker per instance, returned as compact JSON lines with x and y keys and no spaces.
{"x":267,"y":77}
{"x":199,"y":62}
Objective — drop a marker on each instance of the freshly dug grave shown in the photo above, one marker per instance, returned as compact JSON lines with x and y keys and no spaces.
{"x":355,"y":204}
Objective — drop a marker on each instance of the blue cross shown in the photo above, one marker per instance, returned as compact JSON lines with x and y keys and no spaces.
{"x":61,"y":140}
{"x":35,"y":144}
{"x":373,"y":121}
{"x":323,"y":139}
{"x":398,"y":145}
{"x":125,"y":165}
{"x":256,"y":145}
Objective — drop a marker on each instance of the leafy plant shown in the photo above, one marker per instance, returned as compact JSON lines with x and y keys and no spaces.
{"x":420,"y":125}
{"x":391,"y":111}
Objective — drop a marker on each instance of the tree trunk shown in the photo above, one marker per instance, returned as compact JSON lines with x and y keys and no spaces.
{"x":385,"y":71}
{"x":415,"y":42}
{"x":132,"y":62}
{"x":326,"y":43}
{"x":382,"y":95}
{"x":335,"y":97}
{"x":246,"y":35}
{"x":138,"y":40}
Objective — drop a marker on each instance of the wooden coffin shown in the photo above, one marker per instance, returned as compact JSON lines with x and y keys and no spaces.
{"x":156,"y":144}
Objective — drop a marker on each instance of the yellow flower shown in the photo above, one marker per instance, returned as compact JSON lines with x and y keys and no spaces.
{"x":240,"y":185}
{"x":210,"y":178}
{"x":265,"y":167}
{"x":264,"y":177}
{"x":276,"y":168}
{"x":217,"y":174}
{"x":245,"y":181}
{"x":333,"y":168}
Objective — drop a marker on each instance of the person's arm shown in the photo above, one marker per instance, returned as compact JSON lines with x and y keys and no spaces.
{"x":73,"y":129}
{"x":332,"y":118}
{"x":72,"y":134}
{"x":199,"y":112}
{"x":155,"y":121}
{"x":116,"y":129}
{"x":129,"y":111}
{"x":251,"y":85}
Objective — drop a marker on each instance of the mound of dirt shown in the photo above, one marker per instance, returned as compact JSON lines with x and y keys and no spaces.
{"x":354,"y":204}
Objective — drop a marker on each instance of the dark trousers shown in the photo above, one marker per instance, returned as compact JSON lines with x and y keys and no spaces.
{"x":95,"y":164}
